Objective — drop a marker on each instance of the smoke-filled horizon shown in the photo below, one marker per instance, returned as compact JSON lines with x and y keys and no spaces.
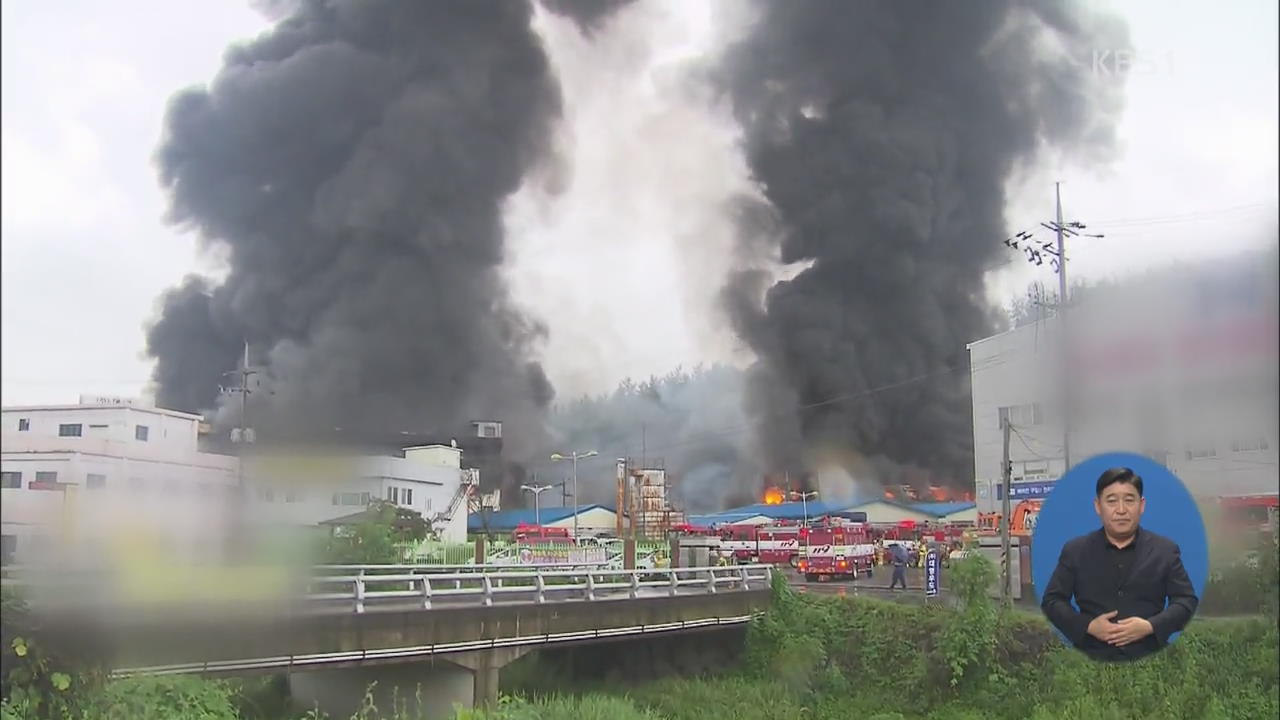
{"x":355,"y":163}
{"x":882,"y":136}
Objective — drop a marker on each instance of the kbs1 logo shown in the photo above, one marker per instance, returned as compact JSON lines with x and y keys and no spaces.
{"x":1123,"y":63}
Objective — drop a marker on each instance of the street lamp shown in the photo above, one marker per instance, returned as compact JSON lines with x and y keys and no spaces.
{"x":804,"y":502}
{"x":575,"y":456}
{"x":536,"y":490}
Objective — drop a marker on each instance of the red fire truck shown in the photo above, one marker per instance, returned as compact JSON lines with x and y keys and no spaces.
{"x":835,"y":549}
{"x":771,"y":544}
{"x":692,"y":530}
{"x":526,"y":533}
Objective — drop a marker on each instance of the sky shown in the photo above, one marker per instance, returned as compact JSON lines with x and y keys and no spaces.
{"x":619,"y":249}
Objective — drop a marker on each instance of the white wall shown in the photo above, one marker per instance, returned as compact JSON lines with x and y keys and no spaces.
{"x":881,"y":512}
{"x":970,"y":515}
{"x":432,"y":474}
{"x":1014,"y":369}
{"x":161,"y":489}
{"x":168,"y":431}
{"x":1158,"y":372}
{"x":590,"y":522}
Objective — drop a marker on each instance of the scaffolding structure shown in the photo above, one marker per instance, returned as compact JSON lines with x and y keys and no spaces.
{"x":645,"y":492}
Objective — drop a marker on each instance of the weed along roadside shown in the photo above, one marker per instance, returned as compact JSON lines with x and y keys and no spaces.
{"x":811,"y":656}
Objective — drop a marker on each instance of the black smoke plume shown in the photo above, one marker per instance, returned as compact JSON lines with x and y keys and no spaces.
{"x":882,"y":135}
{"x":352,"y":163}
{"x":587,"y":14}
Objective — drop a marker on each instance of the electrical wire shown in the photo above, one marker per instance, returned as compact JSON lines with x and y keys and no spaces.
{"x":1184,"y":217}
{"x":1034,"y":453}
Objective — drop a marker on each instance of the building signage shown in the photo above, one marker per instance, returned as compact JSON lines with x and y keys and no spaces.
{"x":561,"y":555}
{"x":1023,"y":491}
{"x":108,"y":400}
{"x":932,"y":561}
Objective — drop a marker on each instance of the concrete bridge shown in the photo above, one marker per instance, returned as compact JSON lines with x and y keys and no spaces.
{"x":417,"y":631}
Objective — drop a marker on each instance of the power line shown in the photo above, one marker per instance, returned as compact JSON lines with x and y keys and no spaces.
{"x":1036,"y":454}
{"x":1184,"y":217}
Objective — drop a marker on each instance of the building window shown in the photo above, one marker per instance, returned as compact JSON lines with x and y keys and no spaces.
{"x":1202,"y":451}
{"x":141,"y":432}
{"x":94,"y":481}
{"x":351,"y":499}
{"x":488,"y":431}
{"x":292,"y":495}
{"x":47,"y":476}
{"x":407,"y":496}
{"x":69,"y":430}
{"x":12,"y":480}
{"x":393,"y":495}
{"x":46,"y":480}
{"x":8,"y":546}
{"x":266,"y":495}
{"x":24,"y":424}
{"x":1035,"y":470}
{"x":1022,"y":415}
{"x":1253,"y":444}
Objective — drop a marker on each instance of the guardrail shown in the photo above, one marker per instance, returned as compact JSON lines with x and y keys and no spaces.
{"x":431,"y":568}
{"x":423,"y":590}
{"x":422,"y":586}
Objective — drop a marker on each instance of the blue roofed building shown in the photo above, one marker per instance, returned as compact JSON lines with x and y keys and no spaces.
{"x":592,"y":519}
{"x":875,"y":511}
{"x":890,"y":511}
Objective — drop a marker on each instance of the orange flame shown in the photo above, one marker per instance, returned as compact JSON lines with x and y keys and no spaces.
{"x":773,"y":496}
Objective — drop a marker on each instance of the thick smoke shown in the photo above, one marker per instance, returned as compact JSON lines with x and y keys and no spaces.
{"x":690,"y":423}
{"x":353,"y":161}
{"x":588,"y":14}
{"x":882,"y":135}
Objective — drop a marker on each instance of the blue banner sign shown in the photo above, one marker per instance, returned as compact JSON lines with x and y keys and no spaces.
{"x":932,"y":563}
{"x":1022,"y":491}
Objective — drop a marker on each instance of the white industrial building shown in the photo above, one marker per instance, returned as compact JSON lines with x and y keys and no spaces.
{"x":305,"y":488}
{"x":123,"y":470}
{"x":1179,"y":366}
{"x":106,"y":465}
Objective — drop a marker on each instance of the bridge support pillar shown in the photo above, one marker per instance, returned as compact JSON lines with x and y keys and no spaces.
{"x":427,"y":689}
{"x":485,"y":666}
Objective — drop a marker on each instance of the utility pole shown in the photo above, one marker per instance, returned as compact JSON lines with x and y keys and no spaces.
{"x":1062,"y":320}
{"x":1035,"y":250}
{"x":1006,"y":591}
{"x":242,"y":434}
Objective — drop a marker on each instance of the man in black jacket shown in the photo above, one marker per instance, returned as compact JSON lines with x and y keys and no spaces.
{"x":1121,"y":577}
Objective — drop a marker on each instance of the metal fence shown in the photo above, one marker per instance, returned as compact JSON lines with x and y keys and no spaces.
{"x":434,"y":552}
{"x":383,"y":586}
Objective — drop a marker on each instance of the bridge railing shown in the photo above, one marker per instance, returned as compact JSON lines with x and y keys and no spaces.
{"x":361,"y":591}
